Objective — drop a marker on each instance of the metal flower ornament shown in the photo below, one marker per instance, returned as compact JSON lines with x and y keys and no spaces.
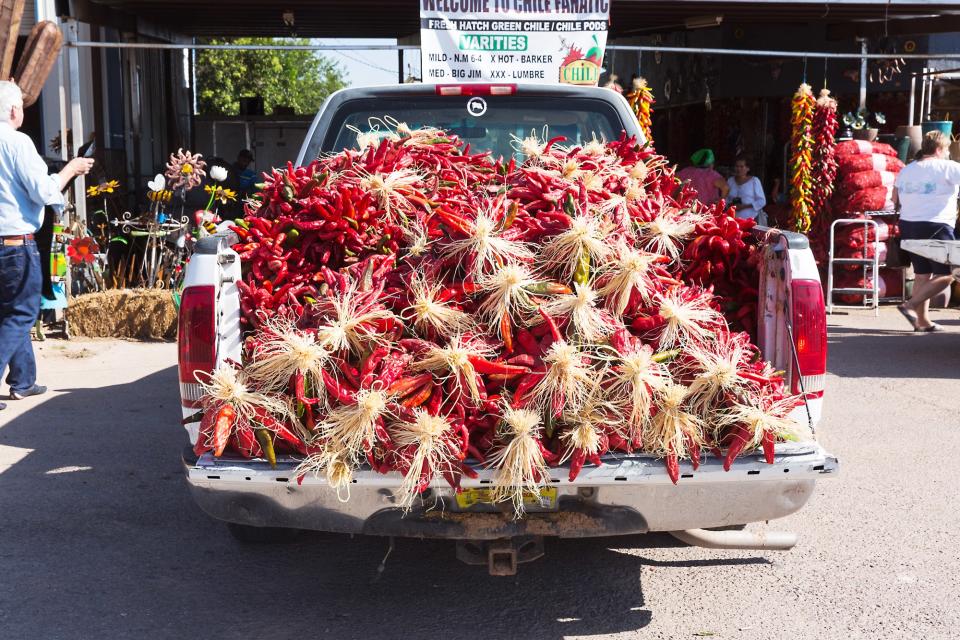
{"x":185,"y":170}
{"x":83,"y":250}
{"x":103,"y":188}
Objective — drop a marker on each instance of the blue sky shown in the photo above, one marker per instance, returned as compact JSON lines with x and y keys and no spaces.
{"x":371,"y":67}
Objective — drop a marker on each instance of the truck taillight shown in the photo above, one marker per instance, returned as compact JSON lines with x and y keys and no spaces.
{"x":197,"y":340}
{"x":476,"y":89}
{"x":809,"y":337}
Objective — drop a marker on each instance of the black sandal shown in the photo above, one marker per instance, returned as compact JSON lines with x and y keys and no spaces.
{"x":933,"y":328}
{"x":909,"y":315}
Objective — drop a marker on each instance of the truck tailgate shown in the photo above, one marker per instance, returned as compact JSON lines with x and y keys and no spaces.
{"x":628,"y":494}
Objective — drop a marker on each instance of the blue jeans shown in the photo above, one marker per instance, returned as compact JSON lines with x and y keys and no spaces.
{"x":19,"y":307}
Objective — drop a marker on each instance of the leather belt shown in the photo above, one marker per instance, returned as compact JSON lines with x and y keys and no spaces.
{"x":16,"y":241}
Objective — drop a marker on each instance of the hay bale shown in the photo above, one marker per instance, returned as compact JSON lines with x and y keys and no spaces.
{"x":145,"y":314}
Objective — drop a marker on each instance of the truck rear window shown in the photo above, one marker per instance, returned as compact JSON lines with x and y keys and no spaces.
{"x":487,"y":126}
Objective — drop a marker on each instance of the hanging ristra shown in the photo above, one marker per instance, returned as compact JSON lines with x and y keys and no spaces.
{"x":824,"y":169}
{"x":641,"y":101}
{"x":801,"y":159}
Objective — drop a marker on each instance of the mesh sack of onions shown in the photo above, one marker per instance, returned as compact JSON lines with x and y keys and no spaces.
{"x":864,"y":147}
{"x":877,"y":162}
{"x":854,"y":182}
{"x":873,"y":199}
{"x":415,"y":308}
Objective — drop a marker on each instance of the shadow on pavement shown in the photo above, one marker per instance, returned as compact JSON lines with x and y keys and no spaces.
{"x":857,"y":353}
{"x":100,"y":538}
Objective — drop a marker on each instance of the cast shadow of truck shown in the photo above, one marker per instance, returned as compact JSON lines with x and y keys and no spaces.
{"x":100,"y":538}
{"x":871,"y":353}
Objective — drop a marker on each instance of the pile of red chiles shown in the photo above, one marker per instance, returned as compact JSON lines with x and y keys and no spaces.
{"x":423,"y":310}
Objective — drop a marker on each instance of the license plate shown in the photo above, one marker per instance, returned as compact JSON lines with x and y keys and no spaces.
{"x":546,"y":499}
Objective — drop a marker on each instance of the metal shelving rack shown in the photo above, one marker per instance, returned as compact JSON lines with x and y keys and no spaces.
{"x":871,"y":267}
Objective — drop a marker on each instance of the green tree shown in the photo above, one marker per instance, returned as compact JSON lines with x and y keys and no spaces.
{"x":297,"y":79}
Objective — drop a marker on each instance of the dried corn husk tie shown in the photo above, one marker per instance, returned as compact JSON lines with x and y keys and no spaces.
{"x":638,"y":376}
{"x":666,"y":233}
{"x":570,"y":378}
{"x":347,"y":434}
{"x":689,"y":317}
{"x":428,"y":437}
{"x":428,"y":313}
{"x":629,"y":272}
{"x":486,"y":247}
{"x":674,"y":431}
{"x":454,"y":361}
{"x":505,"y":293}
{"x":283,"y":352}
{"x":585,"y":241}
{"x":392,"y":189}
{"x":519,"y":460}
{"x":586,"y":321}
{"x":349,"y":321}
{"x":717,"y":370}
{"x":228,"y":386}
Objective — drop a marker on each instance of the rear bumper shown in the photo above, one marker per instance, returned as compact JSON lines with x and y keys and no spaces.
{"x":629,"y":494}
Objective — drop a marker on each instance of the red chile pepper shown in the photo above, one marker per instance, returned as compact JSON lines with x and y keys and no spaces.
{"x":341,"y":392}
{"x":435,"y":400}
{"x":694,"y":451}
{"x":673,"y":465}
{"x":484,"y":366}
{"x":392,"y":366}
{"x":506,"y":332}
{"x":551,"y":325}
{"x":528,"y":343}
{"x":370,"y":364}
{"x":526,"y":385}
{"x":738,"y":440}
{"x":405,"y":385}
{"x":524,"y":360}
{"x":418,"y":397}
{"x":576,"y":463}
{"x":222,"y":428}
{"x":246,"y":444}
{"x":769,"y":442}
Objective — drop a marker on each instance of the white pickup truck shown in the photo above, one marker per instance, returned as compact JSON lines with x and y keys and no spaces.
{"x":628,"y":494}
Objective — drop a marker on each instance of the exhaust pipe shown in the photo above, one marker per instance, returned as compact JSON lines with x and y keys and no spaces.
{"x":751,"y":540}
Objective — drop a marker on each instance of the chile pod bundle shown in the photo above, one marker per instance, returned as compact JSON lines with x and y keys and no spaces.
{"x":824,"y":168}
{"x":801,"y":159}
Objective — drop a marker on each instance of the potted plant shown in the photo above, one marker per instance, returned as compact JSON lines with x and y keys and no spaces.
{"x":858,"y":123}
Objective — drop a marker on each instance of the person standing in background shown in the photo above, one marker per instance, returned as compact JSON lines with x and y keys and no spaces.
{"x":746,"y":192}
{"x":25,"y":188}
{"x":246,"y":177}
{"x":709,"y":184}
{"x":925,"y":192}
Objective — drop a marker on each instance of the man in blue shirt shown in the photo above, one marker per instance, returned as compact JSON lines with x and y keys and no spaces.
{"x":25,"y":188}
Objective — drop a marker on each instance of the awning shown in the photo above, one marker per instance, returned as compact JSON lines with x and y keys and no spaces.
{"x":400,"y":18}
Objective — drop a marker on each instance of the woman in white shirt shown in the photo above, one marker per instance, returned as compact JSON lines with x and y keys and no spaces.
{"x":926,"y":193}
{"x":746,"y":192}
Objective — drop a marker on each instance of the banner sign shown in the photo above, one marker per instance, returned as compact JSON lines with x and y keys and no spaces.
{"x":513,"y":41}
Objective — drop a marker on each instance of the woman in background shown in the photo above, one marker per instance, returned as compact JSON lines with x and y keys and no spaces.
{"x":708,"y":183}
{"x":746,"y":192}
{"x":925,"y":192}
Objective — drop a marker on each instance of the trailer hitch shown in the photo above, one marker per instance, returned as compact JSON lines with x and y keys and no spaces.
{"x":501,"y":556}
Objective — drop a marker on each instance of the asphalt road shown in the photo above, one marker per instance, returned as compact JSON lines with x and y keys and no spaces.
{"x":99,"y":537}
